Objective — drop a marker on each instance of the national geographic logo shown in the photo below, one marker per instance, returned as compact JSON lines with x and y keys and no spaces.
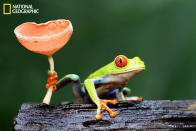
{"x":9,"y":9}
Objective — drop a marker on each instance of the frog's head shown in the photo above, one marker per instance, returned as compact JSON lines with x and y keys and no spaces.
{"x":120,"y":68}
{"x":123,"y":69}
{"x":122,"y":64}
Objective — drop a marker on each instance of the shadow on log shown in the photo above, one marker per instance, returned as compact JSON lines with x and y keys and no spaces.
{"x":160,"y":114}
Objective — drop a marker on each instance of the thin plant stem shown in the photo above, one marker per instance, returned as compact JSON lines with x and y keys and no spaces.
{"x":51,"y":62}
{"x":48,"y":96}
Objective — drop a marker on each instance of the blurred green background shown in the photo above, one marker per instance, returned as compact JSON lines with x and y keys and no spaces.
{"x":161,"y":32}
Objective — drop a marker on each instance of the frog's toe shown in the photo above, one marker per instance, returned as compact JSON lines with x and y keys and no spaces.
{"x":113,"y":101}
{"x":98,"y":117}
{"x":52,"y":80}
{"x":135,"y":98}
{"x":113,"y":114}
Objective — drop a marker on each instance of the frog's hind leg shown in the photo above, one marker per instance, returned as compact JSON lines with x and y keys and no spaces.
{"x":101,"y":104}
{"x":120,"y":95}
{"x":126,"y":91}
{"x":77,"y":86}
{"x":116,"y":94}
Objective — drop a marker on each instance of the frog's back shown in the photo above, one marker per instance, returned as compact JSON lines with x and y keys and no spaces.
{"x":105,"y":70}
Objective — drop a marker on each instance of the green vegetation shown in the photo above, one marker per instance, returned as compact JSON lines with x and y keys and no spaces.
{"x":161,"y":32}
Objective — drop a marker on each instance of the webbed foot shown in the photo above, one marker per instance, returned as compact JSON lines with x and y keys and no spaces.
{"x":104,"y":106}
{"x":52,"y":80}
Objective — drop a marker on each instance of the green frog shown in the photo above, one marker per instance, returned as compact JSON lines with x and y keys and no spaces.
{"x":107,"y":84}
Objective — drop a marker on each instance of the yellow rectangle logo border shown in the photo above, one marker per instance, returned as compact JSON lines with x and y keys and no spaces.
{"x":7,"y":4}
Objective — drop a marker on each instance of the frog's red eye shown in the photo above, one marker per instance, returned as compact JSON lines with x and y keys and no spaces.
{"x":121,"y":61}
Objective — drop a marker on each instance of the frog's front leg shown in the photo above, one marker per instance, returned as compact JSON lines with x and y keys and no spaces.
{"x":77,"y":90}
{"x":101,"y":104}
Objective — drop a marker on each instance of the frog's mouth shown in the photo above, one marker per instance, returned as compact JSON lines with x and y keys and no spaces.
{"x":131,"y":73}
{"x":133,"y":70}
{"x":124,"y":76}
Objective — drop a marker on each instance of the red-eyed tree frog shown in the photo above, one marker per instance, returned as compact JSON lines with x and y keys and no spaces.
{"x":107,"y":84}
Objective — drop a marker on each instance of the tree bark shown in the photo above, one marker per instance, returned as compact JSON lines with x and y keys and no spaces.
{"x":148,"y":114}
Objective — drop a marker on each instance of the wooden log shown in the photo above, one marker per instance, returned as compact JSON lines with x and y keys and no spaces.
{"x":155,"y":114}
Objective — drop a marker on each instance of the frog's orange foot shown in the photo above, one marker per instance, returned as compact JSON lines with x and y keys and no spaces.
{"x":139,"y":99}
{"x":104,"y":106}
{"x":52,"y":80}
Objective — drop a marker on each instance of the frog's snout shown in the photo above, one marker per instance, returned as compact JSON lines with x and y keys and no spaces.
{"x":137,"y":58}
{"x":139,"y":62}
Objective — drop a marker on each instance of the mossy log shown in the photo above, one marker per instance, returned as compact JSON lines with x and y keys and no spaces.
{"x":148,"y":114}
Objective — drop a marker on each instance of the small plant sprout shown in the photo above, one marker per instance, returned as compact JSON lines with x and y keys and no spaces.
{"x":45,"y":38}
